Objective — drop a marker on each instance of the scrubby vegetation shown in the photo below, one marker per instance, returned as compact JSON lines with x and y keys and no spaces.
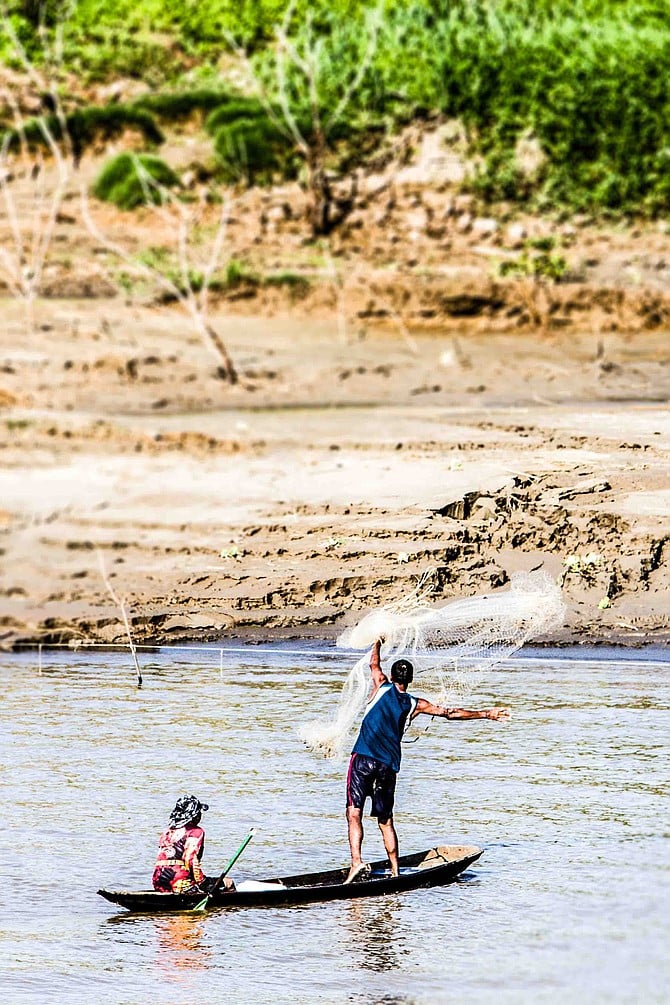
{"x":181,"y":104}
{"x":584,"y":83}
{"x":253,"y":149}
{"x":249,"y":143}
{"x":195,"y":27}
{"x":130,"y":180}
{"x":85,"y":126}
{"x":537,"y":259}
{"x":235,"y":278}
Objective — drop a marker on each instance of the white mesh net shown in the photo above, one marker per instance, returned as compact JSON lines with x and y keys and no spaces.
{"x":448,"y":646}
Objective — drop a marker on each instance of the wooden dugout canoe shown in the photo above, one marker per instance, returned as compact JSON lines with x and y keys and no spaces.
{"x":435,"y":867}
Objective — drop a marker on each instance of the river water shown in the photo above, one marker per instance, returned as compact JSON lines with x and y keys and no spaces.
{"x":570,"y":902}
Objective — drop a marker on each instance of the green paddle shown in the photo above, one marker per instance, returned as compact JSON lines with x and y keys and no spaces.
{"x":202,"y":904}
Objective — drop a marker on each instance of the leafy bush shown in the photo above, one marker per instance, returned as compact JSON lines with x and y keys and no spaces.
{"x":126,"y":38}
{"x":234,"y":108}
{"x":255,"y":150}
{"x":181,"y":104}
{"x":238,"y":274}
{"x":109,"y":54}
{"x":201,"y":26}
{"x":589,"y":79}
{"x":297,"y":285}
{"x":86,"y":126}
{"x":131,"y":180}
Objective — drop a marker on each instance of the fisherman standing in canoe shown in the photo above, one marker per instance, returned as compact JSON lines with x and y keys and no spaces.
{"x":375,"y":758}
{"x":180,"y":849}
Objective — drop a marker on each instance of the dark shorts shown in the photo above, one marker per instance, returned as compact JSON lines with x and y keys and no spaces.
{"x":367,"y":777}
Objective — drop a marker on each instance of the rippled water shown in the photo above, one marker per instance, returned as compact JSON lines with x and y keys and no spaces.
{"x":570,"y":901}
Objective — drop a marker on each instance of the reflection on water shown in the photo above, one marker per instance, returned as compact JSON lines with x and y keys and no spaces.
{"x":568,"y":903}
{"x":375,"y":933}
{"x":181,"y":944}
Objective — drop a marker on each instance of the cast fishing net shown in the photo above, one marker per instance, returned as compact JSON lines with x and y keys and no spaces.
{"x":448,"y":646}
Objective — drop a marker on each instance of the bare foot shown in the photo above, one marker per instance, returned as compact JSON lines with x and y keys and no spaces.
{"x":359,"y":871}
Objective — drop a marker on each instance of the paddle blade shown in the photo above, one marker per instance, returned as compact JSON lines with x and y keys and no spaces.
{"x":202,"y":904}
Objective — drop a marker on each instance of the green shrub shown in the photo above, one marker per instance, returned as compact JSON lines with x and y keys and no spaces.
{"x":234,"y":108}
{"x":237,"y":274}
{"x":297,"y":285}
{"x":181,"y":104}
{"x":540,"y":265}
{"x":254,"y":150}
{"x":126,"y":38}
{"x":86,"y":126}
{"x":131,"y":180}
{"x":589,"y":79}
{"x":106,"y":55}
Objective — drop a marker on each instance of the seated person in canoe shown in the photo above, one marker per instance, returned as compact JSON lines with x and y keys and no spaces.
{"x":180,"y":850}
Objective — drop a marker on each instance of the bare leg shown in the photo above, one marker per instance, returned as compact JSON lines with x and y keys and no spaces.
{"x":390,"y":843}
{"x":355,"y":822}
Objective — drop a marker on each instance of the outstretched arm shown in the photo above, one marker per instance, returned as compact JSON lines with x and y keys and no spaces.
{"x":428,"y":708}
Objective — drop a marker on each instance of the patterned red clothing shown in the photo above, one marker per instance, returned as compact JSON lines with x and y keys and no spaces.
{"x":177,"y":868}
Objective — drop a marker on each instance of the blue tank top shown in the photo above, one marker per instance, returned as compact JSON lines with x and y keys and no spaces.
{"x":383,"y":725}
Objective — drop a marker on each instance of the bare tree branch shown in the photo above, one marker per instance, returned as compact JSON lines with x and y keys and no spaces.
{"x":124,"y":614}
{"x":33,"y":223}
{"x":308,"y":59}
{"x":195,"y":275}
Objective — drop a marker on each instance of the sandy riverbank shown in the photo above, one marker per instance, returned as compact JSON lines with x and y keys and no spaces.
{"x":327,"y":480}
{"x":400,"y":406}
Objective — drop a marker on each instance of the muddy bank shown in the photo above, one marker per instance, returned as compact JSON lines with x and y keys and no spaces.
{"x":326,"y":482}
{"x":416,"y":393}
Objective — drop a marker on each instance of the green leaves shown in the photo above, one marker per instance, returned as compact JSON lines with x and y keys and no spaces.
{"x":131,"y":180}
{"x":85,"y":126}
{"x":589,"y":80}
{"x":589,"y":86}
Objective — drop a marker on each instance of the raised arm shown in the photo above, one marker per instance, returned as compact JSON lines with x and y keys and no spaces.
{"x":428,"y":708}
{"x":378,"y":675}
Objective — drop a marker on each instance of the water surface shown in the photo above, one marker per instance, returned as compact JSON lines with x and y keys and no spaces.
{"x":570,"y":901}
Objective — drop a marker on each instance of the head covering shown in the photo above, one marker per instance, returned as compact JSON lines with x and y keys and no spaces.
{"x":186,"y":809}
{"x":402,"y":672}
